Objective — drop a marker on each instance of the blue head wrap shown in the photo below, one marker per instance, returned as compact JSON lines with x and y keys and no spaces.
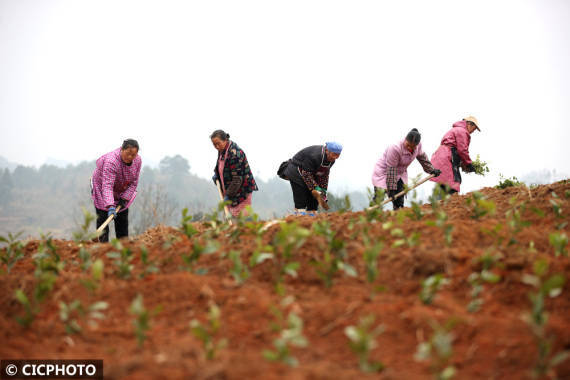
{"x":334,"y":147}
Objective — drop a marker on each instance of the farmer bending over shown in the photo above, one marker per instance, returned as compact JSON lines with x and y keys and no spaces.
{"x":114,"y":183}
{"x":453,"y":153}
{"x":391,"y":170}
{"x":308,"y":173}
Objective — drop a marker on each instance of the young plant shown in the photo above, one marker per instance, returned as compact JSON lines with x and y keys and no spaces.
{"x":239,"y":271}
{"x":48,"y":265}
{"x":508,"y":182}
{"x":84,"y":233}
{"x":122,"y":258}
{"x":197,"y":251}
{"x":556,"y":208}
{"x":94,"y":281}
{"x":439,"y":350}
{"x":480,"y":166}
{"x":13,"y":251}
{"x":430,"y":287}
{"x":149,"y":266}
{"x":478,"y":279}
{"x":206,"y":333}
{"x":68,"y":313}
{"x":537,"y":318}
{"x":370,"y":256}
{"x":440,"y":222}
{"x":290,"y":335}
{"x":559,"y":241}
{"x":333,"y":256}
{"x":287,"y":240}
{"x":142,"y":318}
{"x":479,"y":205}
{"x":514,"y":219}
{"x":363,"y":341}
{"x":186,"y":226}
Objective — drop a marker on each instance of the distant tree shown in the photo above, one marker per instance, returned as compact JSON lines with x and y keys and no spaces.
{"x":174,"y":166}
{"x":6,"y":185}
{"x":153,"y":207}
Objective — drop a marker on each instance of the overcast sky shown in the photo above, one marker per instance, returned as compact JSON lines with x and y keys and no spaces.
{"x":78,"y":77}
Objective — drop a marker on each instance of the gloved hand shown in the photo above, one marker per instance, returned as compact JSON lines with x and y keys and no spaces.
{"x":123,"y":202}
{"x":112,"y":211}
{"x":214,"y":178}
{"x":226,"y":198}
{"x":321,"y":190}
{"x":319,"y":197}
{"x":470,"y":168}
{"x":392,"y":193}
{"x":436,"y":172}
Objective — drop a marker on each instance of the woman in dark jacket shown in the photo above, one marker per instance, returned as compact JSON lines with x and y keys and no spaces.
{"x":308,"y":173}
{"x":233,"y":172}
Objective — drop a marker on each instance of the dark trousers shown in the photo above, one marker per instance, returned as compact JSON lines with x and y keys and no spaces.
{"x":303,"y":197}
{"x":446,"y":189}
{"x":121,"y":224}
{"x":398,"y":202}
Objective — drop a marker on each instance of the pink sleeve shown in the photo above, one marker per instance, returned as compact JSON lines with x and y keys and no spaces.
{"x":109,"y":174}
{"x":462,"y":139}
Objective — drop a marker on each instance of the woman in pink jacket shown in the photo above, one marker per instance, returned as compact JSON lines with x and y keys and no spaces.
{"x":390,"y":172}
{"x":114,"y":183}
{"x":453,"y":153}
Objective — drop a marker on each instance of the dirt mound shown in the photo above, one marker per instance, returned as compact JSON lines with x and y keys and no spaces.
{"x":484,"y":255}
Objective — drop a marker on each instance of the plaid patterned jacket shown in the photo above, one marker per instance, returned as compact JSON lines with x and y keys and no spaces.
{"x":114,"y":180}
{"x":238,"y":178}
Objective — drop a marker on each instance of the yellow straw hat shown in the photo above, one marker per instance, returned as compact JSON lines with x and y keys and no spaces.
{"x":473,"y":119}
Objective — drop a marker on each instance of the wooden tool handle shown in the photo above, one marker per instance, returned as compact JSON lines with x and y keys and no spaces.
{"x":402,"y":192}
{"x":102,"y":227}
{"x":227,"y":211}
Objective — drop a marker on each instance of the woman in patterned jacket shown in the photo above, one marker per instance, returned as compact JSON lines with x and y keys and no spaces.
{"x":233,"y":172}
{"x":114,"y":182}
{"x":391,"y":170}
{"x":308,"y":173}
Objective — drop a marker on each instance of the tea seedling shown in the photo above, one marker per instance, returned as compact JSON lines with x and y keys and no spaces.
{"x":185,"y":224}
{"x":149,"y":266}
{"x":477,"y":279}
{"x":537,"y":318}
{"x":13,"y":251}
{"x":559,"y":241}
{"x":333,"y":256}
{"x":480,"y":166}
{"x":508,"y":182}
{"x":122,"y":258}
{"x":239,"y":271}
{"x":207,"y":333}
{"x":430,"y":286}
{"x":198,"y":249}
{"x":363,"y":341}
{"x":67,"y":313}
{"x":290,"y":335}
{"x":440,"y":222}
{"x":479,"y":205}
{"x":94,"y":281}
{"x":288,"y":239}
{"x":370,"y":256}
{"x":142,"y":318}
{"x":439,"y":350}
{"x":84,"y":233}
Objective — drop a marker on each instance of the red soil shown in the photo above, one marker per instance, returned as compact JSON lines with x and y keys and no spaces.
{"x":492,"y":343}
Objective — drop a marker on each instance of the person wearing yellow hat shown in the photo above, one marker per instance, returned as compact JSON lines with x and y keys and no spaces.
{"x":453,"y":154}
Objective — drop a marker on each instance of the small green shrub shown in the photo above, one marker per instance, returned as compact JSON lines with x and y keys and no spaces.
{"x":206,"y":333}
{"x":363,"y":341}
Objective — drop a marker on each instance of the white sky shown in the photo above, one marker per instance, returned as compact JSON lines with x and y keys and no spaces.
{"x":77,"y":77}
